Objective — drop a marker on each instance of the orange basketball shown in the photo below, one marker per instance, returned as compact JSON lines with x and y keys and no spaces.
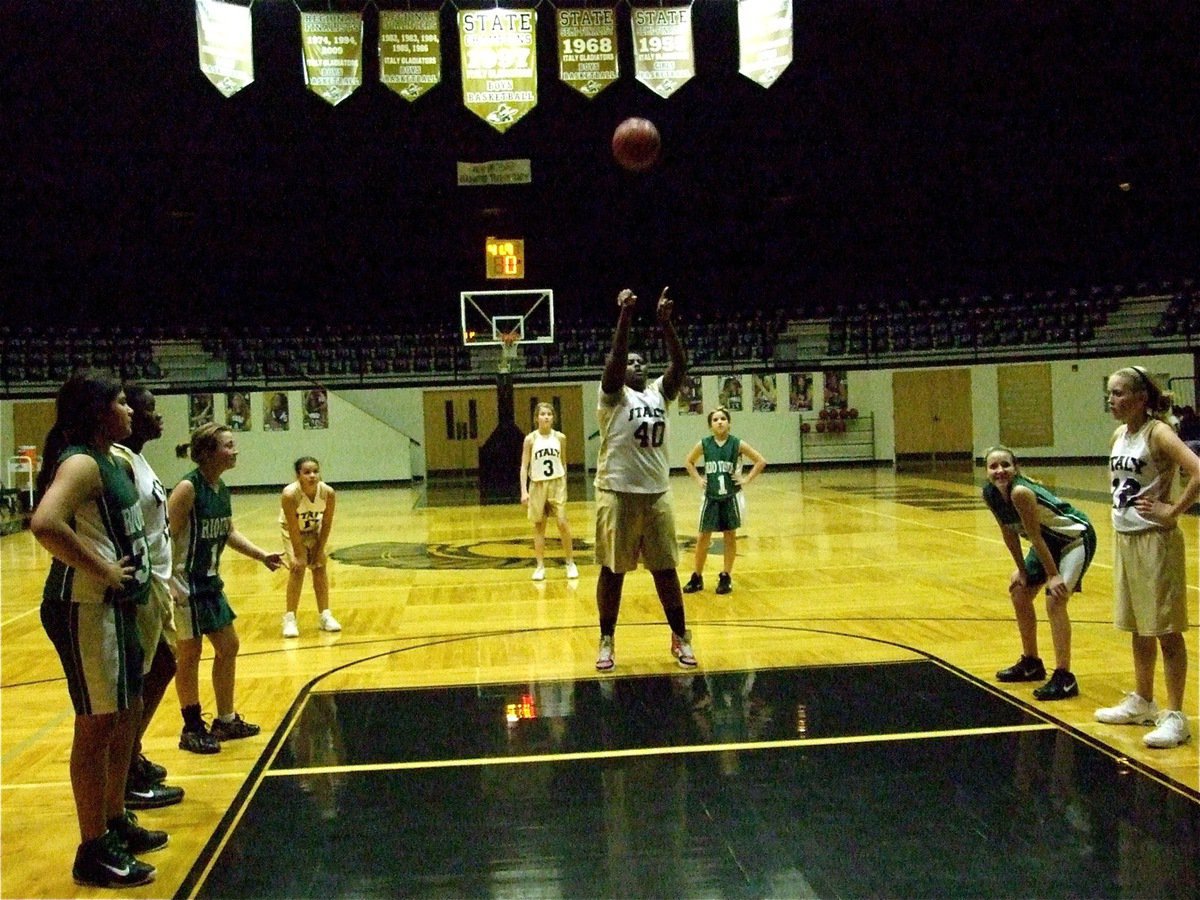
{"x":636,"y":144}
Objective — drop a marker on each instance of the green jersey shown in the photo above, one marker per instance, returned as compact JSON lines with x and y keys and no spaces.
{"x":720,"y":463}
{"x":112,"y":527}
{"x":198,"y":550}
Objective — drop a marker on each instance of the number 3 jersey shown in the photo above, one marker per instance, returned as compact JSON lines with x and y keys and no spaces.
{"x":545,"y":457}
{"x":1135,"y":474}
{"x":633,"y":441}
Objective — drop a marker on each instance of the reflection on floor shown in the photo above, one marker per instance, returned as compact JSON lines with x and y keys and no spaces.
{"x":899,"y":779}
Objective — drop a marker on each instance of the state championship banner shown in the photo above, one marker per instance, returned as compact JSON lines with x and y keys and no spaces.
{"x":499,"y":64}
{"x":226,"y":42}
{"x":663,"y":56}
{"x":410,"y":51}
{"x":332,"y":54}
{"x":587,"y":49}
{"x":764,"y":39}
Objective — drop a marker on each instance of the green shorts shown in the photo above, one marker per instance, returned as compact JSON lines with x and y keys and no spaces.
{"x":724,"y":514}
{"x":202,"y":615}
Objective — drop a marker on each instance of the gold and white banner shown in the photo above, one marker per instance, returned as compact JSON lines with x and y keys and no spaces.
{"x":332,"y":54}
{"x":410,"y":51}
{"x":663,"y":56}
{"x":496,"y":171}
{"x":587,"y":49}
{"x":764,"y":39}
{"x":499,"y":63}
{"x":226,"y":43}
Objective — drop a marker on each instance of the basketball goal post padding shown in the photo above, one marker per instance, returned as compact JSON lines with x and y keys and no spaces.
{"x":500,"y":454}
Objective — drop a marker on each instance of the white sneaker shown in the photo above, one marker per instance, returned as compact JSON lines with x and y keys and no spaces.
{"x":329,"y":623}
{"x":604,"y":658}
{"x":681,"y":649}
{"x":1172,"y":730}
{"x":539,"y":574}
{"x":572,"y":571}
{"x":290,"y":628}
{"x":1133,"y":710}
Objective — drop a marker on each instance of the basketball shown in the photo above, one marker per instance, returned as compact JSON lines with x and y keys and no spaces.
{"x":636,"y":144}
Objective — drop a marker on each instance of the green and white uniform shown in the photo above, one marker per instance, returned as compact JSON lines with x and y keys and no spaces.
{"x":93,"y":626}
{"x":197,"y":585}
{"x":1063,"y":527}
{"x":723,"y":504}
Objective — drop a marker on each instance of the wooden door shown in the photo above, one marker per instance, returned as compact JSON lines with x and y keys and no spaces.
{"x":567,"y":400}
{"x":456,"y":423}
{"x":933,"y":421}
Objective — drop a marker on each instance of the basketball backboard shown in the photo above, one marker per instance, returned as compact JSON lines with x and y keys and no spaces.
{"x":488,"y":315}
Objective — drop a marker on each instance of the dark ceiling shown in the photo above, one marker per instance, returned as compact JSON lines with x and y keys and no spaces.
{"x":926,"y":146}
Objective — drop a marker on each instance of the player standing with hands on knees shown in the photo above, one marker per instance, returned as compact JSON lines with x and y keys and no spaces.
{"x":306,"y":509}
{"x":1149,"y":571}
{"x":543,"y":477}
{"x":724,"y":505}
{"x":634,"y":515}
{"x":1062,"y":543}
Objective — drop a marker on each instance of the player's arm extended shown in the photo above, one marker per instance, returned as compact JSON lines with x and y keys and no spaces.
{"x":617,"y":362}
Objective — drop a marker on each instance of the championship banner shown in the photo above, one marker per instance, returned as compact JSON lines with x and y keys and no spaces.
{"x":764,"y":39}
{"x":332,"y":54}
{"x":226,"y":43}
{"x":587,"y":49}
{"x":410,"y":51}
{"x":663,"y":58}
{"x":499,"y":63}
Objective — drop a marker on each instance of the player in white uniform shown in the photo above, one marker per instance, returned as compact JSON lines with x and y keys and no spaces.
{"x":634,"y":514}
{"x":1149,"y":571}
{"x":543,"y":476}
{"x":306,"y":517}
{"x":156,"y":619}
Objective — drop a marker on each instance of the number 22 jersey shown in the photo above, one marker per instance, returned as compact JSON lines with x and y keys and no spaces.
{"x":1135,"y":474}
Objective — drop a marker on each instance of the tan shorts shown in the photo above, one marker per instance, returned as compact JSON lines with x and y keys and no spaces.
{"x":547,"y":498}
{"x":155,"y":621}
{"x":630,"y":527}
{"x":1150,"y":582}
{"x":312,"y":560}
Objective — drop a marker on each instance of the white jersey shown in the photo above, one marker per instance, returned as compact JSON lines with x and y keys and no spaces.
{"x":634,"y":427}
{"x":1135,"y":474}
{"x":545,"y":456}
{"x":152,"y":497}
{"x":309,"y":513}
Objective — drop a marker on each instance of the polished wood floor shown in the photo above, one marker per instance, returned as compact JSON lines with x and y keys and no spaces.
{"x":835,"y":566}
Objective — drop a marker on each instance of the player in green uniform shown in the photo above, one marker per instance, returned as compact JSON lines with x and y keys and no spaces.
{"x":89,"y":519}
{"x":1062,"y":543}
{"x":723,"y":505}
{"x":201,"y":517}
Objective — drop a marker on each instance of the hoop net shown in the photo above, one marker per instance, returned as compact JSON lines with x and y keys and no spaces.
{"x":508,"y":349}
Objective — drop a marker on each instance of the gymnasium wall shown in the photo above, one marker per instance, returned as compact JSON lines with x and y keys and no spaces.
{"x":378,"y":435}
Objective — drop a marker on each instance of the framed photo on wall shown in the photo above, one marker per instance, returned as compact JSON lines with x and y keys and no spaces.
{"x":800,"y":393}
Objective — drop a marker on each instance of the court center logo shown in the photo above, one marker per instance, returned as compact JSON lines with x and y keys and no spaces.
{"x":515,"y":553}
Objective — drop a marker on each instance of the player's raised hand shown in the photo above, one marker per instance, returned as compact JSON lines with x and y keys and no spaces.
{"x":626,"y":298}
{"x":666,"y":306}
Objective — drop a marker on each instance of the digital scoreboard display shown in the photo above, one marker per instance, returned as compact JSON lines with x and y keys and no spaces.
{"x":505,"y":257}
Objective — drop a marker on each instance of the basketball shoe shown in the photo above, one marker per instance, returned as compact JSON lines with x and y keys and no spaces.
{"x":681,"y":649}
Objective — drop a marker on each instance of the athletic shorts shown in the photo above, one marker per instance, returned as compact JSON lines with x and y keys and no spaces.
{"x":307,"y":542}
{"x":630,"y":527}
{"x":155,"y":622}
{"x":101,"y":655}
{"x":197,"y":616}
{"x":547,"y":498}
{"x":1071,"y":559}
{"x":1150,"y":582}
{"x":725,"y":514}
